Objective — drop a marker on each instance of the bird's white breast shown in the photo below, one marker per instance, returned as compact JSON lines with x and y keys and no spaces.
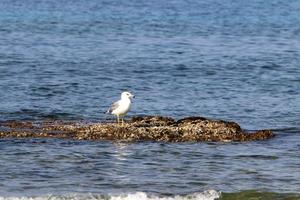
{"x":124,"y":106}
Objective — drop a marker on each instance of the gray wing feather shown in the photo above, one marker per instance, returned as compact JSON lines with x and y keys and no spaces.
{"x":113,"y":107}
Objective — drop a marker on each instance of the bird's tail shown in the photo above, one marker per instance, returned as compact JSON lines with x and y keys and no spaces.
{"x":107,"y":115}
{"x":108,"y":111}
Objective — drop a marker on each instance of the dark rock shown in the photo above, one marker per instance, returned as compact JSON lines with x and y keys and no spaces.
{"x":152,"y":121}
{"x":190,"y":119}
{"x":148,"y":128}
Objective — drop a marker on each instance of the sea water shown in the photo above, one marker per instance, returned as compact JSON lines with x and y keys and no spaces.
{"x":230,"y":60}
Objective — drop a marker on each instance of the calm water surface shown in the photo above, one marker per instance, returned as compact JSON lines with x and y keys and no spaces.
{"x":231,"y":60}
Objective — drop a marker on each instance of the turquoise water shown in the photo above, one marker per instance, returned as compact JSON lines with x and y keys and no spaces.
{"x":230,"y":60}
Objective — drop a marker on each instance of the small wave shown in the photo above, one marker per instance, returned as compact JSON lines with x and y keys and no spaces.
{"x":206,"y":195}
{"x":287,"y":130}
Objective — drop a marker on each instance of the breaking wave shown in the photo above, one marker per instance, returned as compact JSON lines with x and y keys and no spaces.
{"x":206,"y":195}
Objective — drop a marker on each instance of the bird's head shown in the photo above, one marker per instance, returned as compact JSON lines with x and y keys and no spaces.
{"x":127,"y":95}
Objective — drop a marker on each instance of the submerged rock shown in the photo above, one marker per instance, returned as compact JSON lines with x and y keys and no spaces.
{"x":148,"y":128}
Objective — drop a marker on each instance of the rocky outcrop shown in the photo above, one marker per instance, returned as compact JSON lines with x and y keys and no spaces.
{"x":148,"y":128}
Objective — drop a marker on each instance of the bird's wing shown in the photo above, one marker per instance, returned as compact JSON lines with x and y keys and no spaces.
{"x":113,"y":107}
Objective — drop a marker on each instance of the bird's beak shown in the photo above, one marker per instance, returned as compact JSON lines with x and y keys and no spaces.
{"x":132,"y":96}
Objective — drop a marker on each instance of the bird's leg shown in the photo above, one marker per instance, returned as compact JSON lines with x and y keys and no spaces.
{"x":118,"y":119}
{"x":122,"y":121}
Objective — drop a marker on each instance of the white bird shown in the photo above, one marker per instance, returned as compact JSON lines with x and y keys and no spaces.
{"x":121,"y":107}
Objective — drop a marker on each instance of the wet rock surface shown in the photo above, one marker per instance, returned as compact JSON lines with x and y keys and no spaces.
{"x":147,"y":128}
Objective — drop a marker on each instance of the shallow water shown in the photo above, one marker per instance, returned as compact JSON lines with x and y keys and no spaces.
{"x":230,"y":60}
{"x":57,"y":166}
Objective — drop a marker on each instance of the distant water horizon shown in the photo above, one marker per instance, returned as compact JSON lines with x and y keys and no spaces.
{"x":229,"y":60}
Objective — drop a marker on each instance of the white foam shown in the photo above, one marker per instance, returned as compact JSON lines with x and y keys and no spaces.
{"x":206,"y":195}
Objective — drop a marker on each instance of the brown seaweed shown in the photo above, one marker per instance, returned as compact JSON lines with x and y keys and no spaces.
{"x":147,"y":128}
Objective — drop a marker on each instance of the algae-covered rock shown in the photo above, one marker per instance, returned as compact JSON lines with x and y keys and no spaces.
{"x":146,"y":128}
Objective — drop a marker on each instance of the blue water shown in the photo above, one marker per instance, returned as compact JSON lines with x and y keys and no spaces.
{"x":230,"y":60}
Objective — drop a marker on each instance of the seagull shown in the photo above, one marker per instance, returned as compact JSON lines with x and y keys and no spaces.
{"x":121,"y":107}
